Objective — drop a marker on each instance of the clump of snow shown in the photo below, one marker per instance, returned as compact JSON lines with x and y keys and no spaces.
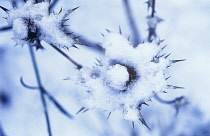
{"x":126,"y":76}
{"x":117,"y":76}
{"x":132,"y":114}
{"x":20,"y":29}
{"x":153,"y":21}
{"x":49,"y":26}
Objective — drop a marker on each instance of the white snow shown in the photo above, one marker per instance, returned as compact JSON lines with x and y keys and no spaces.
{"x":20,"y":28}
{"x":153,"y":21}
{"x":117,"y":76}
{"x":132,"y":114}
{"x":106,"y":90}
{"x":48,"y":25}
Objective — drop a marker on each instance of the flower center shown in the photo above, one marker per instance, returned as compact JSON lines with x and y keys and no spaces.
{"x":118,"y":76}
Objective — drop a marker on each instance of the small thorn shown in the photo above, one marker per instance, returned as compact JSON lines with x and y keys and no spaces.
{"x":75,"y":46}
{"x":174,"y":87}
{"x":160,"y":41}
{"x":78,"y":42}
{"x":129,"y":38}
{"x":167,"y":56}
{"x":102,"y":34}
{"x":143,"y":121}
{"x":108,"y":30}
{"x":60,"y":11}
{"x":168,"y":78}
{"x":161,"y":55}
{"x":85,"y":110}
{"x":120,"y":30}
{"x":77,"y":37}
{"x":3,"y":8}
{"x":69,"y":33}
{"x":164,"y":47}
{"x":81,"y":109}
{"x":145,"y":103}
{"x":75,"y":8}
{"x":4,"y":18}
{"x":133,"y":124}
{"x":64,"y":20}
{"x":65,"y":25}
{"x":165,"y":92}
{"x":108,"y":115}
{"x":175,"y":61}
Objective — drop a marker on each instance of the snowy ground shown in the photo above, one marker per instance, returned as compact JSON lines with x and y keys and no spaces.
{"x":185,"y":30}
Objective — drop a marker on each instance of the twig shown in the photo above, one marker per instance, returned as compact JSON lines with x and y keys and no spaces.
{"x":5,"y":28}
{"x":152,"y":30}
{"x":93,"y":45}
{"x":132,"y":24}
{"x":40,"y":89}
{"x":177,"y":102}
{"x":66,"y":56}
{"x":53,"y":4}
{"x":153,"y":8}
{"x":51,"y":98}
{"x":164,"y":101}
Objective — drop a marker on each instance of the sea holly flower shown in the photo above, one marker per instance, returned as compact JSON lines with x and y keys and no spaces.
{"x":33,"y":22}
{"x":126,"y":77}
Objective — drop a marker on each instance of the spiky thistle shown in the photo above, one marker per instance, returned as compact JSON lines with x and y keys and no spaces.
{"x":33,"y":22}
{"x":126,"y":77}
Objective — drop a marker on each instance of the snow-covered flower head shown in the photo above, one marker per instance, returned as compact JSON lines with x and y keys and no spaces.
{"x":125,"y":77}
{"x":33,"y":22}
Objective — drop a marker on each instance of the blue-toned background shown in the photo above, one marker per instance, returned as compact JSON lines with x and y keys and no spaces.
{"x":186,"y":29}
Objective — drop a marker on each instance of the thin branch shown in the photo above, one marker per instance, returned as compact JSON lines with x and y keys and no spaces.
{"x":66,"y":56}
{"x":177,"y":102}
{"x":93,"y":45}
{"x":153,"y":8}
{"x":53,"y":4}
{"x":152,"y":31}
{"x":132,"y":24}
{"x":40,"y":89}
{"x":164,"y":101}
{"x":5,"y":28}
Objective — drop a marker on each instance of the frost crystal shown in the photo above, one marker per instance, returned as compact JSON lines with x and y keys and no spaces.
{"x":125,"y":77}
{"x":32,"y":21}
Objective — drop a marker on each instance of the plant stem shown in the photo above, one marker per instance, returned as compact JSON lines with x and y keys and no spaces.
{"x":41,"y":89}
{"x":153,"y":8}
{"x":66,"y":56}
{"x":132,"y":24}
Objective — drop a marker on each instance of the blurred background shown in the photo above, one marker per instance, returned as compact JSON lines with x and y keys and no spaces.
{"x":185,"y":29}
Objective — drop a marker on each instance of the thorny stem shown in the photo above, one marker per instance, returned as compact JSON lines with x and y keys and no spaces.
{"x":41,"y":89}
{"x":153,"y":8}
{"x":152,"y":30}
{"x":132,"y":24}
{"x":66,"y":56}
